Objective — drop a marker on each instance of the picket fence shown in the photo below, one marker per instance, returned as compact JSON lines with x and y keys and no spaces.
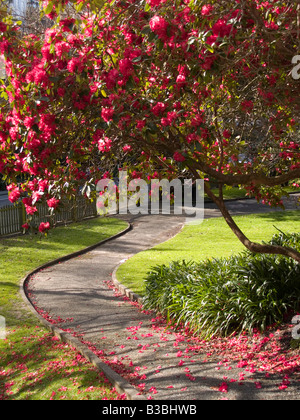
{"x":13,"y":217}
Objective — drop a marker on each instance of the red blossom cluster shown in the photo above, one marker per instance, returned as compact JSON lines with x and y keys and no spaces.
{"x":202,"y":86}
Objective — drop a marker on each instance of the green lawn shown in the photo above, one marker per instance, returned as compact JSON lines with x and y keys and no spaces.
{"x":211,"y":239}
{"x":234,"y":193}
{"x":34,"y":365}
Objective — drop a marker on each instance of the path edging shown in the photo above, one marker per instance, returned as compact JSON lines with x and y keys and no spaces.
{"x":134,"y":297}
{"x":121,"y":385}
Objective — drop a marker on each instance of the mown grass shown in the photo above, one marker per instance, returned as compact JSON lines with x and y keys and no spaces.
{"x":212,"y":239}
{"x":33,"y":364}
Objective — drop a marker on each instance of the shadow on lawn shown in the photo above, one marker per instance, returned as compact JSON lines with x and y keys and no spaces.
{"x":37,"y":365}
{"x":280,"y":216}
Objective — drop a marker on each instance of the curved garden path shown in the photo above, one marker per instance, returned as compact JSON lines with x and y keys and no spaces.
{"x":77,"y":295}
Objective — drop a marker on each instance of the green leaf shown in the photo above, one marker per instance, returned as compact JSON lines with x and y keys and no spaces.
{"x":103,"y":93}
{"x":49,"y":8}
{"x":209,"y":48}
{"x":146,"y":30}
{"x":137,"y":59}
{"x":79,"y":7}
{"x":4,"y":95}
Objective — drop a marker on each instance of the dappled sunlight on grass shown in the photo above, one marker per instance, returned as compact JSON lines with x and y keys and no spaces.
{"x":21,"y":254}
{"x":33,"y":364}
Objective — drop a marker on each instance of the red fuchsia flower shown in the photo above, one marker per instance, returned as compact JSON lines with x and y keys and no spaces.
{"x":165,"y":122}
{"x":25,"y":226}
{"x":4,"y":46}
{"x":53,"y":203}
{"x":3,"y":27}
{"x":67,"y":23}
{"x":61,"y":48}
{"x":197,"y":120}
{"x":192,"y":138}
{"x":178,"y":157}
{"x":47,"y":124}
{"x":44,"y":227}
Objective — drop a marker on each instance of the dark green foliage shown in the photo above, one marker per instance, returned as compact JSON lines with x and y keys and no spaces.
{"x":223,"y":296}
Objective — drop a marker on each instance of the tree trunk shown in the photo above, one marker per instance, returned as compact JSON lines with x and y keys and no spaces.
{"x":251,"y":246}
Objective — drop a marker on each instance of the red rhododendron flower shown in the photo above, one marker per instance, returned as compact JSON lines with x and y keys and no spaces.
{"x":75,"y":65}
{"x":226,"y":134}
{"x":14,"y":195}
{"x":155,"y":2}
{"x":222,"y":28}
{"x":207,"y":10}
{"x":159,"y":25}
{"x":30,"y":209}
{"x":43,"y":185}
{"x":126,"y":148}
{"x":44,"y":227}
{"x":247,"y":106}
{"x":107,"y":114}
{"x":27,"y":201}
{"x":179,"y":157}
{"x":112,"y":77}
{"x":126,"y":67}
{"x":140,"y":125}
{"x":104,"y":145}
{"x":223,"y":387}
{"x":53,"y":203}
{"x":158,"y":109}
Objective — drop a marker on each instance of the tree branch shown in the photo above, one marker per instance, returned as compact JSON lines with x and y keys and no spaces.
{"x":251,"y":246}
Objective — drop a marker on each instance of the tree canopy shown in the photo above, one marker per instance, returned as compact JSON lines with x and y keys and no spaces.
{"x":156,"y":87}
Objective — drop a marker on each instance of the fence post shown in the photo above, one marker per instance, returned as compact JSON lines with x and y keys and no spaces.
{"x":74,"y":210}
{"x":22,"y":215}
{"x":12,"y":218}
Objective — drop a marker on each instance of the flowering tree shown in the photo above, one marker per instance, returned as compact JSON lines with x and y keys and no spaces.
{"x":157,"y":87}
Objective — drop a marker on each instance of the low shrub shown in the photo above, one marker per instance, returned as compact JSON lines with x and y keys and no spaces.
{"x":221,"y":296}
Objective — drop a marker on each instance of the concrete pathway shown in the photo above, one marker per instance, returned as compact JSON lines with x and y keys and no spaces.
{"x":79,"y":291}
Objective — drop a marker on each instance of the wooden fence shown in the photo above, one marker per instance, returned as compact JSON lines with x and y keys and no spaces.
{"x":13,"y":217}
